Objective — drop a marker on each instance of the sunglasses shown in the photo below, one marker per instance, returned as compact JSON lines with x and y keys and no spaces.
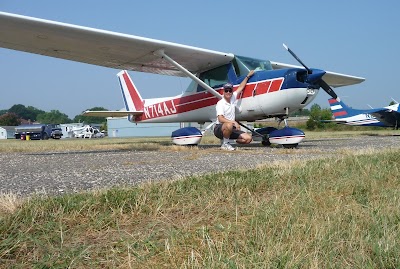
{"x":228,"y":90}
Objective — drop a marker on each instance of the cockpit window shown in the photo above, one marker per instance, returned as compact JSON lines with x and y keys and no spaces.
{"x":244,"y":64}
{"x":215,"y":77}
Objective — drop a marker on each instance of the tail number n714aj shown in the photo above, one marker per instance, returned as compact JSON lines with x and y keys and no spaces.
{"x":161,"y":109}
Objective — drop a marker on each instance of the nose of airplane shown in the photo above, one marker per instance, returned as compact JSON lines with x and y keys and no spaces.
{"x":315,"y":76}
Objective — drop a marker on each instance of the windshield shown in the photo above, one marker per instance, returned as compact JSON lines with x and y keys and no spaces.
{"x":244,"y":64}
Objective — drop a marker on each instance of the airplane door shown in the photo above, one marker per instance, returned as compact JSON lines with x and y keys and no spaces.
{"x":259,"y":94}
{"x":250,"y":103}
{"x":269,"y":97}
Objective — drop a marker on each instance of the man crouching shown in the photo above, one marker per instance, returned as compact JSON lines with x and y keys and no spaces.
{"x":226,"y":126}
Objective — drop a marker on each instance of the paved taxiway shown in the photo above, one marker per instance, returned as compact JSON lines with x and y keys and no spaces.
{"x":66,"y":172}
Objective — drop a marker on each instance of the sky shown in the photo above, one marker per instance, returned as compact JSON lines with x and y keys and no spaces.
{"x":359,"y":38}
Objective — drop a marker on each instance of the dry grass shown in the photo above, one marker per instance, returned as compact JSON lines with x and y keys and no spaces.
{"x":9,"y":203}
{"x":51,"y":145}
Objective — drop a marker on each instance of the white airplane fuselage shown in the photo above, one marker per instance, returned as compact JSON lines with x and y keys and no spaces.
{"x":256,"y":102}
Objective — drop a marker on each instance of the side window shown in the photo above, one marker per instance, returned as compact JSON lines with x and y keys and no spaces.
{"x":215,"y":77}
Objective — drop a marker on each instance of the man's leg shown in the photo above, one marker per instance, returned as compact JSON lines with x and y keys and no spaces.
{"x":227,"y":129}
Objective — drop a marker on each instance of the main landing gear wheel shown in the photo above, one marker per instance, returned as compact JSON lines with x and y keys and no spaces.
{"x":266,"y":143}
{"x":264,"y":132}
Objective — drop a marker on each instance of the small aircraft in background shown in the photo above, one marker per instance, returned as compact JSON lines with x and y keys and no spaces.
{"x":388,"y":116}
{"x":275,"y":90}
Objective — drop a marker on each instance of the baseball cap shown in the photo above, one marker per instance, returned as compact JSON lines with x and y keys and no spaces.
{"x":228,"y":86}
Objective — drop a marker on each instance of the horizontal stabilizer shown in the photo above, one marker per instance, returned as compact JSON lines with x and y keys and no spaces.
{"x":111,"y":113}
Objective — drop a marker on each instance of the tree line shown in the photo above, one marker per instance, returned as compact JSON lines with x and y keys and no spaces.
{"x":19,"y":113}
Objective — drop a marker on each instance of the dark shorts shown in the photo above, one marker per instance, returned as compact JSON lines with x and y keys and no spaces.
{"x":218,"y":132}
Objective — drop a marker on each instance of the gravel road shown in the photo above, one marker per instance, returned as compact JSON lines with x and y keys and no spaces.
{"x":55,"y":173}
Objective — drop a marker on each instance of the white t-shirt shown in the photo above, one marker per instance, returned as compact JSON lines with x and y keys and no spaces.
{"x":227,"y":109}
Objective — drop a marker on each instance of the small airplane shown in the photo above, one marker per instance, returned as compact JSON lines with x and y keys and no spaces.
{"x":388,"y":116}
{"x":275,"y":89}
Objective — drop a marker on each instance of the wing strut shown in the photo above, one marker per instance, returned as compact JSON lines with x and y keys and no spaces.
{"x":188,"y":73}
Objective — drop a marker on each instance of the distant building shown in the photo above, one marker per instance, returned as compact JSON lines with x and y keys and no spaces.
{"x":7,"y":132}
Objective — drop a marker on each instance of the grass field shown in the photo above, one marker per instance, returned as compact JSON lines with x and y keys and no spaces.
{"x":331,"y":213}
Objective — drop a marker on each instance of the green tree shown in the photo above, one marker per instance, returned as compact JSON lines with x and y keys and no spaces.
{"x":35,"y":112}
{"x":10,"y":119}
{"x":317,"y":115}
{"x":27,"y":113}
{"x":87,"y":119}
{"x":54,"y":116}
{"x":4,"y":111}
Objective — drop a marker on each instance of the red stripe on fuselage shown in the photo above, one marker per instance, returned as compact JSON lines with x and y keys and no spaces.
{"x":332,"y":101}
{"x":202,"y":99}
{"x":275,"y":85}
{"x":340,"y":113}
{"x":262,"y":87}
{"x":137,"y":101}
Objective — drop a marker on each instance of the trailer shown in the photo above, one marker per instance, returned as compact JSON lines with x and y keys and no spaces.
{"x":37,"y":132}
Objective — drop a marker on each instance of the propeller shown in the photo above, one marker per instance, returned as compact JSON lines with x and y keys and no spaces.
{"x":320,"y":82}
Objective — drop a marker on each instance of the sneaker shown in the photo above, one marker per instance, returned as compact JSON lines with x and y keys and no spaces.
{"x":227,"y":146}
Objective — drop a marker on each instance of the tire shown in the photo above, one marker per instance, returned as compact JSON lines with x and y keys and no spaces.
{"x":266,"y":143}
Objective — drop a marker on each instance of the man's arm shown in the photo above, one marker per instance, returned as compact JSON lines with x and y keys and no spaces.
{"x":244,"y":82}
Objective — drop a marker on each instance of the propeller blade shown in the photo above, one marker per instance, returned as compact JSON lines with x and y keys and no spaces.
{"x":320,"y":82}
{"x":297,"y":58}
{"x":328,"y":89}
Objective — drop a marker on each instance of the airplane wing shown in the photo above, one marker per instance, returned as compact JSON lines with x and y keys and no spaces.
{"x":117,"y":50}
{"x":111,"y":113}
{"x":333,"y":79}
{"x":103,"y":48}
{"x":387,"y":116}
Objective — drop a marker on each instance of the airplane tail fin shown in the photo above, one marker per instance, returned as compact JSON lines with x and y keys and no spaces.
{"x":132,"y":99}
{"x":341,"y":110}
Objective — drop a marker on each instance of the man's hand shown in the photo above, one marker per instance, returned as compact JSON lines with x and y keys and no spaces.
{"x":250,"y":73}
